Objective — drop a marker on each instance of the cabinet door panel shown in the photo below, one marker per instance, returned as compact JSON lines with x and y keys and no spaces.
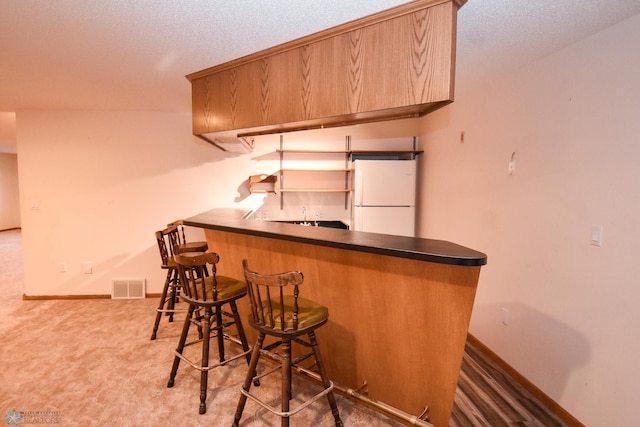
{"x":284,"y":100}
{"x":407,"y":60}
{"x":327,"y":78}
{"x":247,"y":90}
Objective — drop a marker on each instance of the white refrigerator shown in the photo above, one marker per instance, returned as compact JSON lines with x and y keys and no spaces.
{"x":384,"y":198}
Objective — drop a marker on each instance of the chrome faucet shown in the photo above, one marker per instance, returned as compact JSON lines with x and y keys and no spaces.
{"x":304,"y":212}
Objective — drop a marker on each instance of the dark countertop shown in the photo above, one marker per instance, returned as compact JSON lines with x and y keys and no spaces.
{"x":437,"y":251}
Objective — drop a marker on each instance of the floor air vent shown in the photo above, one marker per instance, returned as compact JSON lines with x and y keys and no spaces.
{"x":127,"y":288}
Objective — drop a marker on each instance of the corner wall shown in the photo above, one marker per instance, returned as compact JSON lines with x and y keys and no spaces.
{"x":104,"y":182}
{"x":9,"y":194}
{"x":573,"y":120}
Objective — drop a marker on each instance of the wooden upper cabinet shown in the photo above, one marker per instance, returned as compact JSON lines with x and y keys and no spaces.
{"x":394,"y":64}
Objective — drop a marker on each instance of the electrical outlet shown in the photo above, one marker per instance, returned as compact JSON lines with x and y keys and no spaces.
{"x":63,"y":267}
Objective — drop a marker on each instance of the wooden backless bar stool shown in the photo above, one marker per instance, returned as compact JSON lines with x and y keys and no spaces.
{"x":277,"y":310}
{"x":171,"y":240}
{"x":206,"y":293}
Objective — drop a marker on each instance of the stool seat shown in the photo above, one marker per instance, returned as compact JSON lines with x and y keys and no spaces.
{"x":310,"y":314}
{"x":192,"y":247}
{"x":227,"y":288}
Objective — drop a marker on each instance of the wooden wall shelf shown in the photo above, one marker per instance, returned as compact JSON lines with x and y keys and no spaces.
{"x":280,"y":150}
{"x":315,"y":190}
{"x":337,"y":155}
{"x":263,"y":183}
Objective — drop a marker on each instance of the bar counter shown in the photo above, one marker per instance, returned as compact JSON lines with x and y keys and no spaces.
{"x":399,"y":307}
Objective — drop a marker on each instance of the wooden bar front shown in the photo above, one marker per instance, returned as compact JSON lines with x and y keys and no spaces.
{"x":397,"y":324}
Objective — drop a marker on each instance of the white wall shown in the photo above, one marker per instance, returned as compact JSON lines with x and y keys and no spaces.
{"x":9,"y":194}
{"x":106,"y":181}
{"x":573,"y":120}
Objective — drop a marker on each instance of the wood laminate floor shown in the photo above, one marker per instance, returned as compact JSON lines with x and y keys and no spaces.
{"x":488,"y":397}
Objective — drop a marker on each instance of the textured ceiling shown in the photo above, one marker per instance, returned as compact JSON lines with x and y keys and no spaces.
{"x":133,"y":55}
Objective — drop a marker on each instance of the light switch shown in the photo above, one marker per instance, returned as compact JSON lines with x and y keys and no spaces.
{"x":596,"y":235}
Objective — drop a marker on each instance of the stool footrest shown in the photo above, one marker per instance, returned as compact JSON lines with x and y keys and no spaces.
{"x":208,"y":368}
{"x":214,"y":334}
{"x":172,"y":310}
{"x":290,"y":412}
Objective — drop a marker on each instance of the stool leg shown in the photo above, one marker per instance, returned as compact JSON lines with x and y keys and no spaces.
{"x":204,"y":374}
{"x":255,"y":356}
{"x":219,"y":332}
{"x":286,"y":379}
{"x":325,"y":378}
{"x":163,"y":298}
{"x":242,"y":335}
{"x":180,"y":348}
{"x":240,"y":328}
{"x":174,"y":296}
{"x":199,"y":316}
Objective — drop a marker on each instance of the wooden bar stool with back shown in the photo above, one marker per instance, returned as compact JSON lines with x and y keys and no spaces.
{"x":172,"y":240}
{"x":207,"y":293}
{"x":278,"y":311}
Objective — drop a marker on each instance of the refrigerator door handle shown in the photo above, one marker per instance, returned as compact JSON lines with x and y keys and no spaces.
{"x":359,"y":188}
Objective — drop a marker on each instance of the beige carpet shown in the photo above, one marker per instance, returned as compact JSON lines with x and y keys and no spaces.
{"x":91,"y":363}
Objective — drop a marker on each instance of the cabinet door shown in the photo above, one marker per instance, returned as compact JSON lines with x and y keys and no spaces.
{"x":284,"y":99}
{"x":408,"y":60}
